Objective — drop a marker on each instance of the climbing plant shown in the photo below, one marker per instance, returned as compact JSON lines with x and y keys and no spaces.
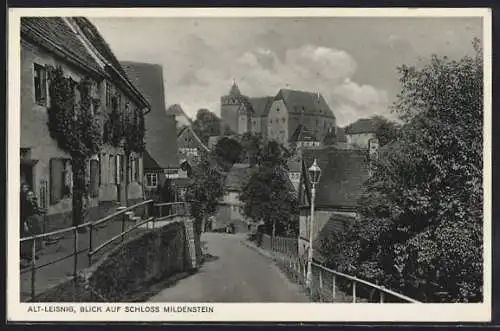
{"x":71,"y":124}
{"x":125,"y":130}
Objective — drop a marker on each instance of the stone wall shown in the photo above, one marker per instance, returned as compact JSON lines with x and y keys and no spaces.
{"x":137,"y":263}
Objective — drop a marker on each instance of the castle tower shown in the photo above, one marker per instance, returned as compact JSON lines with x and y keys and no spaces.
{"x":229,"y":106}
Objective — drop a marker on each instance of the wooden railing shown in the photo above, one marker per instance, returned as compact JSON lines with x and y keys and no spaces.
{"x":145,"y":212}
{"x":329,"y":285}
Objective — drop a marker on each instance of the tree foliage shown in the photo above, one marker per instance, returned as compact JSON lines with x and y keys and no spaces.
{"x":227,"y":152}
{"x":386,"y":131}
{"x":206,"y":125}
{"x":421,"y":225}
{"x":252,"y":148}
{"x":268,"y":196}
{"x":205,"y":188}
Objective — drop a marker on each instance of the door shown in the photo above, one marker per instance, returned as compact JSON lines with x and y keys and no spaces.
{"x":27,"y":175}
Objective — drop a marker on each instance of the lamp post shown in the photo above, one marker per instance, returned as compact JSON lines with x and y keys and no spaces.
{"x":314,"y":175}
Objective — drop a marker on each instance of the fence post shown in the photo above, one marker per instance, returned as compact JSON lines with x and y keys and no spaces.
{"x":160,"y":210}
{"x":381,"y":297}
{"x":354,"y":292}
{"x":75,"y":261}
{"x":33,"y":269}
{"x":123,"y":226}
{"x":333,"y":287}
{"x":91,"y":230}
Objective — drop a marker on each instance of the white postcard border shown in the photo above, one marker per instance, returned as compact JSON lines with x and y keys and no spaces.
{"x":258,"y":312}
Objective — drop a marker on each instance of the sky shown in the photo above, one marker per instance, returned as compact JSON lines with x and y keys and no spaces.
{"x":351,"y":61}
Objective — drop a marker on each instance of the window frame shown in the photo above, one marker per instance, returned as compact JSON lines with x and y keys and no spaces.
{"x":40,"y":89}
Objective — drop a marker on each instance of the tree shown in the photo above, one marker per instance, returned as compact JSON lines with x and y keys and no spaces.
{"x":227,"y":152}
{"x":386,"y":131}
{"x":267,"y":195}
{"x":71,"y":124}
{"x":252,"y":147}
{"x":206,"y":124}
{"x":204,"y":189}
{"x":420,"y":230}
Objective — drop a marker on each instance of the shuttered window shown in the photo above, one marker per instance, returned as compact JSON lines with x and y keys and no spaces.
{"x":57,"y":180}
{"x":137,"y":170}
{"x":94,"y":178}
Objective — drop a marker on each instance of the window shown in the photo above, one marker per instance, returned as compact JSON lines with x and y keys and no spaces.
{"x":108,"y":95}
{"x":152,"y":180}
{"x":40,"y":82}
{"x":44,"y":203}
{"x":137,"y":169}
{"x":60,"y":179}
{"x":94,"y":178}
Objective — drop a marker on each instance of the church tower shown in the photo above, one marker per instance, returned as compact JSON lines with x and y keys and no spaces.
{"x":229,"y":106}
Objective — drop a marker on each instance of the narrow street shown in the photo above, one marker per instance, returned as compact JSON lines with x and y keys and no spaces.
{"x":234,"y":273}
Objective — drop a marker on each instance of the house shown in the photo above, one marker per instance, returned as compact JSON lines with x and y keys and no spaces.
{"x":344,"y":172}
{"x":303,"y":138}
{"x":181,"y":118}
{"x":74,"y":45}
{"x":190,"y":145}
{"x":160,"y":157}
{"x":230,"y":208}
{"x":277,"y":118}
{"x":360,"y":133}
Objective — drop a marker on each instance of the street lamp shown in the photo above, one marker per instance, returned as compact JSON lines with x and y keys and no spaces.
{"x":314,"y":175}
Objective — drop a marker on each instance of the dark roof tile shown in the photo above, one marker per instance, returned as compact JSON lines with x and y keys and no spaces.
{"x":363,"y":125}
{"x":344,"y":172}
{"x":161,"y":132}
{"x":55,"y":32}
{"x":303,"y":134}
{"x":299,"y":102}
{"x":261,"y":105}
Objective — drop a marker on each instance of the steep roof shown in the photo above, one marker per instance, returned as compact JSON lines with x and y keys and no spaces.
{"x":363,"y":125}
{"x":299,"y":102}
{"x":113,"y":66}
{"x":93,"y":35}
{"x":55,"y":35}
{"x":302,"y":134}
{"x":161,"y":133}
{"x":235,"y":90}
{"x":261,"y":105}
{"x":344,"y":172}
{"x":176,"y":110}
{"x":237,"y":177}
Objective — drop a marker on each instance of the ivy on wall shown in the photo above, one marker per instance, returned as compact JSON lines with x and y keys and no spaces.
{"x":127,"y":130}
{"x":72,"y":125}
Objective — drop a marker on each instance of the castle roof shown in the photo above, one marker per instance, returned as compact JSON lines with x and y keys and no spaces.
{"x":261,"y":105}
{"x":303,"y":134}
{"x":235,"y":90}
{"x":299,"y":102}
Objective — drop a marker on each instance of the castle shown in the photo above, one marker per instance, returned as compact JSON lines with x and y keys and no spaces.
{"x":284,"y":117}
